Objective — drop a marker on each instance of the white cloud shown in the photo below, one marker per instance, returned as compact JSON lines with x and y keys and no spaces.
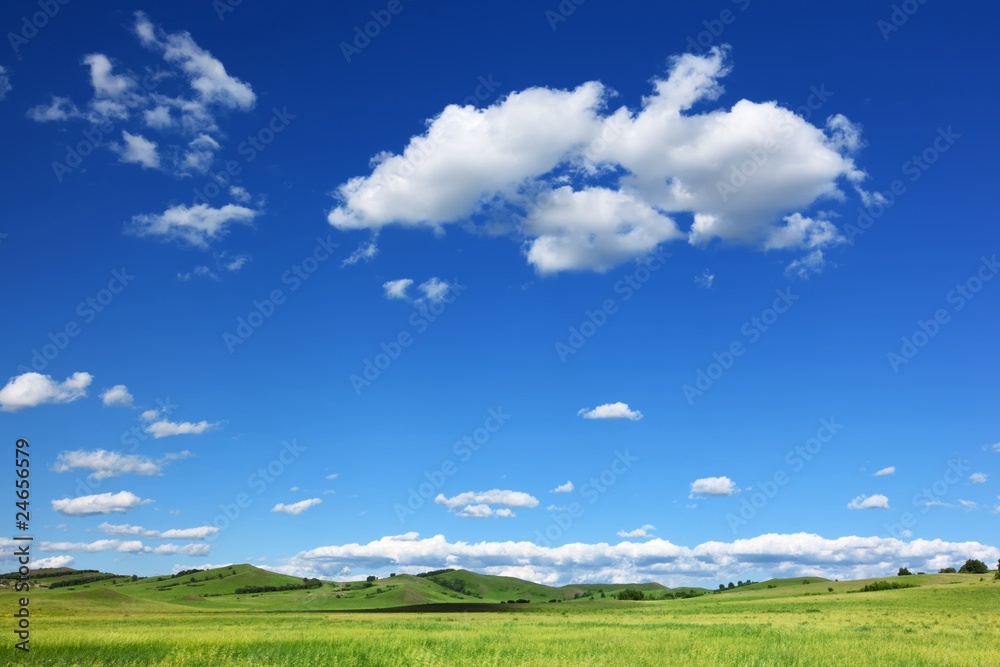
{"x":642,"y":531}
{"x":185,"y":550}
{"x":891,"y":470}
{"x":207,"y":75}
{"x":996,"y":447}
{"x":125,"y":529}
{"x":197,"y":533}
{"x":807,"y":265}
{"x":493,"y":497}
{"x":198,"y":225}
{"x":224,"y":262}
{"x":713,"y":486}
{"x":80,"y":547}
{"x":105,"y":83}
{"x":779,"y":555}
{"x":433,"y":289}
{"x":32,"y":389}
{"x":296,"y":508}
{"x":563,"y":488}
{"x":978,"y":478}
{"x":137,"y":149}
{"x":875,"y":501}
{"x":365,"y":252}
{"x":482,"y":511}
{"x":132,"y":547}
{"x":476,"y":511}
{"x":968,"y":504}
{"x":59,"y":109}
{"x":199,"y":155}
{"x":198,"y":272}
{"x":396,"y":289}
{"x":705,"y":279}
{"x":240,"y":194}
{"x":180,"y":101}
{"x":105,"y":464}
{"x":52,"y":561}
{"x":479,"y":504}
{"x":611,"y":411}
{"x":5,"y":86}
{"x":164,"y":428}
{"x":467,"y":153}
{"x":332,"y":476}
{"x":587,"y":188}
{"x":101,"y":503}
{"x":234,"y":264}
{"x":158,"y":118}
{"x":802,"y":232}
{"x":118,"y":395}
{"x":594,"y":228}
{"x":149,"y":415}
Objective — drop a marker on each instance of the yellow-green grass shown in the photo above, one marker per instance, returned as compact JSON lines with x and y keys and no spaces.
{"x":946,"y":620}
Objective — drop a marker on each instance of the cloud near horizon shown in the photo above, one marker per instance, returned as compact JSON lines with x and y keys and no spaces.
{"x":778,"y":555}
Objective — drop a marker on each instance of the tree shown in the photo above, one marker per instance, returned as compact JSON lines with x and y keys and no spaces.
{"x":602,"y":594}
{"x":973,"y":566}
{"x":135,"y":578}
{"x":903,"y":572}
{"x":731,"y":585}
{"x":630,"y":594}
{"x":722,"y":587}
{"x":946,"y":570}
{"x":371,"y":577}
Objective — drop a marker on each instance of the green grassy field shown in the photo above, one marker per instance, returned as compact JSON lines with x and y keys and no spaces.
{"x":943,"y":620}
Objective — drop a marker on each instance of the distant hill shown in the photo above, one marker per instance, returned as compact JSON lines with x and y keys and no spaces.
{"x":245,"y":587}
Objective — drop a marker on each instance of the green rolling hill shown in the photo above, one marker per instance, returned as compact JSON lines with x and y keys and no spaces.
{"x":242,"y":586}
{"x":245,"y":587}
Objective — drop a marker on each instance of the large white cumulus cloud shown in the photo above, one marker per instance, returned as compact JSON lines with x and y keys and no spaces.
{"x":586,"y":187}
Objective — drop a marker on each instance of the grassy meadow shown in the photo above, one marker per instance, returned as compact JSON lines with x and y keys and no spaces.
{"x":942,"y":620}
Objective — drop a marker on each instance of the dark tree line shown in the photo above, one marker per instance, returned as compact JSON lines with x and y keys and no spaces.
{"x":306,"y":584}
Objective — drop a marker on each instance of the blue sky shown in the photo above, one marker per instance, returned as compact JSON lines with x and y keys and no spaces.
{"x":567,"y":292}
